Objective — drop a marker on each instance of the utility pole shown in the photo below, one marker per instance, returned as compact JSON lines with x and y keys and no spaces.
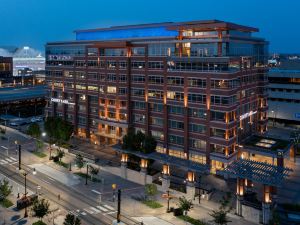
{"x":119,"y":206}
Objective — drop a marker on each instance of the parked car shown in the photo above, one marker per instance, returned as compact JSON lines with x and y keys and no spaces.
{"x":35,"y":119}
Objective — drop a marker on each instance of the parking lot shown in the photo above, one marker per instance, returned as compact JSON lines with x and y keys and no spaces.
{"x":19,"y":123}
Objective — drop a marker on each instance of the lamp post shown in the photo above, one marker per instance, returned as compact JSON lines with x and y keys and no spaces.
{"x":24,"y":173}
{"x":114,"y":186}
{"x":119,"y":207}
{"x":199,"y":182}
{"x":18,"y":146}
{"x":87,"y":174}
{"x":168,"y":197}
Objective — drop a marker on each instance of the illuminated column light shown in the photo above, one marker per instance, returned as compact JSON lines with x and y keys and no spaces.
{"x":191,"y":177}
{"x":267,"y":196}
{"x":144,"y":163}
{"x":124,"y":158}
{"x":166,"y":169}
{"x":240,"y":186}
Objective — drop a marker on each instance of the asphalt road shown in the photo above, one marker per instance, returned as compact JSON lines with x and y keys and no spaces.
{"x":71,"y":199}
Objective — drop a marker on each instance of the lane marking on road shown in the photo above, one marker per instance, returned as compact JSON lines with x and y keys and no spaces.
{"x":4,"y":147}
{"x":89,"y":211}
{"x":102,"y":208}
{"x":96,"y":210}
{"x":13,"y":163}
{"x":109,"y":207}
{"x":97,"y":192}
{"x":74,"y":213}
{"x":110,"y":213}
{"x":45,"y":181}
{"x":50,"y":178}
{"x":13,"y":158}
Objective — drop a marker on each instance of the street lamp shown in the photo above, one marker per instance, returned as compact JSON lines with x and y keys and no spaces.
{"x":87,"y":174}
{"x":24,"y":173}
{"x":18,"y":146}
{"x":114,"y":186}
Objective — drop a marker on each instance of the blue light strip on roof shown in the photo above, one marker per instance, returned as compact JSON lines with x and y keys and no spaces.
{"x":125,"y":33}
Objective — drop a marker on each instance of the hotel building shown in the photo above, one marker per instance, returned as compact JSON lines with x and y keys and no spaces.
{"x":198,"y":87}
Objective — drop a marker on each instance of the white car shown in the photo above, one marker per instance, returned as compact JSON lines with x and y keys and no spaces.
{"x":35,"y":119}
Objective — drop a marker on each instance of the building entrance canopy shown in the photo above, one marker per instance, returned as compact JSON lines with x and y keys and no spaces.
{"x":170,"y":160}
{"x":259,"y":172}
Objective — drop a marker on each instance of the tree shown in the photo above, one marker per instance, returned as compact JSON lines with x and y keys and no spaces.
{"x":50,"y":128}
{"x":58,"y":130}
{"x":149,"y":144}
{"x":94,"y":171}
{"x":220,"y":216}
{"x":60,"y":154}
{"x":79,"y":161}
{"x":127,"y":140}
{"x":139,"y":142}
{"x":72,"y":220}
{"x":34,"y":130}
{"x":39,"y":145}
{"x":150,"y":190}
{"x":184,"y":204}
{"x":41,"y":208}
{"x":5,"y":188}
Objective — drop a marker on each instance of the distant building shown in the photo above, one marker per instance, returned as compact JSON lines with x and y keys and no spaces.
{"x":23,"y":58}
{"x":28,"y":58}
{"x":6,"y":65}
{"x":284,"y":93}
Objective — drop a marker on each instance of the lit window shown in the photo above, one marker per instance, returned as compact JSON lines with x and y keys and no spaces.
{"x":111,"y":89}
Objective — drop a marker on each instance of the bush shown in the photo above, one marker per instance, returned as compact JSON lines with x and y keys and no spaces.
{"x":152,"y":204}
{"x":192,"y":220}
{"x":39,"y":154}
{"x":6,"y":203}
{"x":63,"y":164}
{"x":39,"y":223}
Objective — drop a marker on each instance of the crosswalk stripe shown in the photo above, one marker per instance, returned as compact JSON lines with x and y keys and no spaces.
{"x":110,"y":213}
{"x":13,"y":158}
{"x":83,"y":213}
{"x":3,"y":161}
{"x":9,"y":160}
{"x":96,"y":210}
{"x":102,"y":208}
{"x":109,"y":207}
{"x":89,"y":211}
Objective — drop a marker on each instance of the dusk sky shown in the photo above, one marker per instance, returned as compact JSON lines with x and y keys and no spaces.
{"x":35,"y":22}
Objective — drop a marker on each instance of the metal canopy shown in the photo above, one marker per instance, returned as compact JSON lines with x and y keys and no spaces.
{"x":260,"y":172}
{"x":170,"y":160}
